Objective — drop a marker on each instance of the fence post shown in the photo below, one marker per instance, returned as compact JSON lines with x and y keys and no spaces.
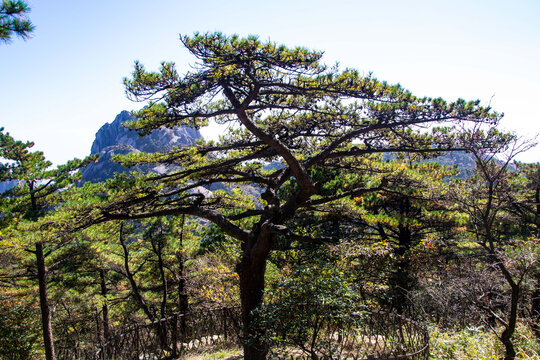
{"x":137,"y":342}
{"x":224,"y":321}
{"x":175,"y":335}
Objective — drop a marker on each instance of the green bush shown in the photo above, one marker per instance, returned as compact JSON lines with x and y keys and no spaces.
{"x":304,"y":305}
{"x":19,"y":330}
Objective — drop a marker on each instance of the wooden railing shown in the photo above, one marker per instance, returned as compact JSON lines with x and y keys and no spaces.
{"x":373,"y":336}
{"x":175,"y":335}
{"x":376,"y":336}
{"x":167,"y":338}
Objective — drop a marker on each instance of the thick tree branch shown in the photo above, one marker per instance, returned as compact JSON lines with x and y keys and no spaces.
{"x":214,"y":216}
{"x":283,"y":230}
{"x":296,"y":167}
{"x":353,"y":192}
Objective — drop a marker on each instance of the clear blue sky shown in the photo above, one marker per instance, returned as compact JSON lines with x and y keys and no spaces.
{"x":58,"y":88}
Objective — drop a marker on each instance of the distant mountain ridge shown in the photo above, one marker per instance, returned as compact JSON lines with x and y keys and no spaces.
{"x":465,"y":162}
{"x":113,"y":139}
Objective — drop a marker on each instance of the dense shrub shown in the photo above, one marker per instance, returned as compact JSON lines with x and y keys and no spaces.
{"x":19,"y":330}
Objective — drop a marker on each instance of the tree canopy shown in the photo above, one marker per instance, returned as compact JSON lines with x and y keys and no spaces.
{"x":13,"y":20}
{"x":300,"y":132}
{"x":36,"y":189}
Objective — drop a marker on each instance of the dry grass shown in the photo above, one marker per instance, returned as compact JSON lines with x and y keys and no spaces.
{"x":221,"y":354}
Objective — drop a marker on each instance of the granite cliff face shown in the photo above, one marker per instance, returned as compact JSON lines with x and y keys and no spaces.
{"x":112,"y":139}
{"x":163,"y":139}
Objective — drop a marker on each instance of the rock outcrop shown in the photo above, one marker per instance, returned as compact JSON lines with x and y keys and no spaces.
{"x":112,"y":139}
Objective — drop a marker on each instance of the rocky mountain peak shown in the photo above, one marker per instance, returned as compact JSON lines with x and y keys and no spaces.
{"x":113,"y":138}
{"x":159,"y":140}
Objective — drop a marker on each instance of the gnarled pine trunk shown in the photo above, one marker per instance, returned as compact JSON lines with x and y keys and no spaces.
{"x":251,"y":271}
{"x":402,"y":280}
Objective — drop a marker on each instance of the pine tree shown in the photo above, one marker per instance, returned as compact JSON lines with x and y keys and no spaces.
{"x":284,"y":107}
{"x":37,"y":190}
{"x":13,"y":20}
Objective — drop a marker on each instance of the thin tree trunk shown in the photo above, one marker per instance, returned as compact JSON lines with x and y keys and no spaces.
{"x":506,"y":336}
{"x":105,"y":307}
{"x":141,"y":302}
{"x":535,"y":306}
{"x":44,"y":303}
{"x":182,"y":294}
{"x":251,"y":296}
{"x":510,"y":325}
{"x":402,"y":280}
{"x":99,"y":337}
{"x":164,"y":285}
{"x":157,"y":246}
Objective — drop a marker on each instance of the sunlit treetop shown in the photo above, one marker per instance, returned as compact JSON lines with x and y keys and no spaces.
{"x":233,"y":73}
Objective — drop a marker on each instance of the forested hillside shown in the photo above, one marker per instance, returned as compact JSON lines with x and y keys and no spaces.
{"x":337,"y":217}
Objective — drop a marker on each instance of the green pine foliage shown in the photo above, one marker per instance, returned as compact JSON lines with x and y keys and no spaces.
{"x":14,"y":21}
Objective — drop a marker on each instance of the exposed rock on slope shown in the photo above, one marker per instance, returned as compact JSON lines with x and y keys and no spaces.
{"x":464,"y":162}
{"x":112,"y":139}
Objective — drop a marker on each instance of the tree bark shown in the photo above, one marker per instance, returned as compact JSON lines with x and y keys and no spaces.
{"x":44,"y":303}
{"x":135,"y":292}
{"x":157,"y":247}
{"x":506,"y":336}
{"x":251,"y":295}
{"x":251,"y":270}
{"x":535,"y":306}
{"x":535,"y":309}
{"x":511,"y":319}
{"x":401,"y":280}
{"x":182,"y":295}
{"x":105,"y":307}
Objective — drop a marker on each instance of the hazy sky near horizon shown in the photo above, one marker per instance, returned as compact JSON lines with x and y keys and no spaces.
{"x":58,"y":88}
